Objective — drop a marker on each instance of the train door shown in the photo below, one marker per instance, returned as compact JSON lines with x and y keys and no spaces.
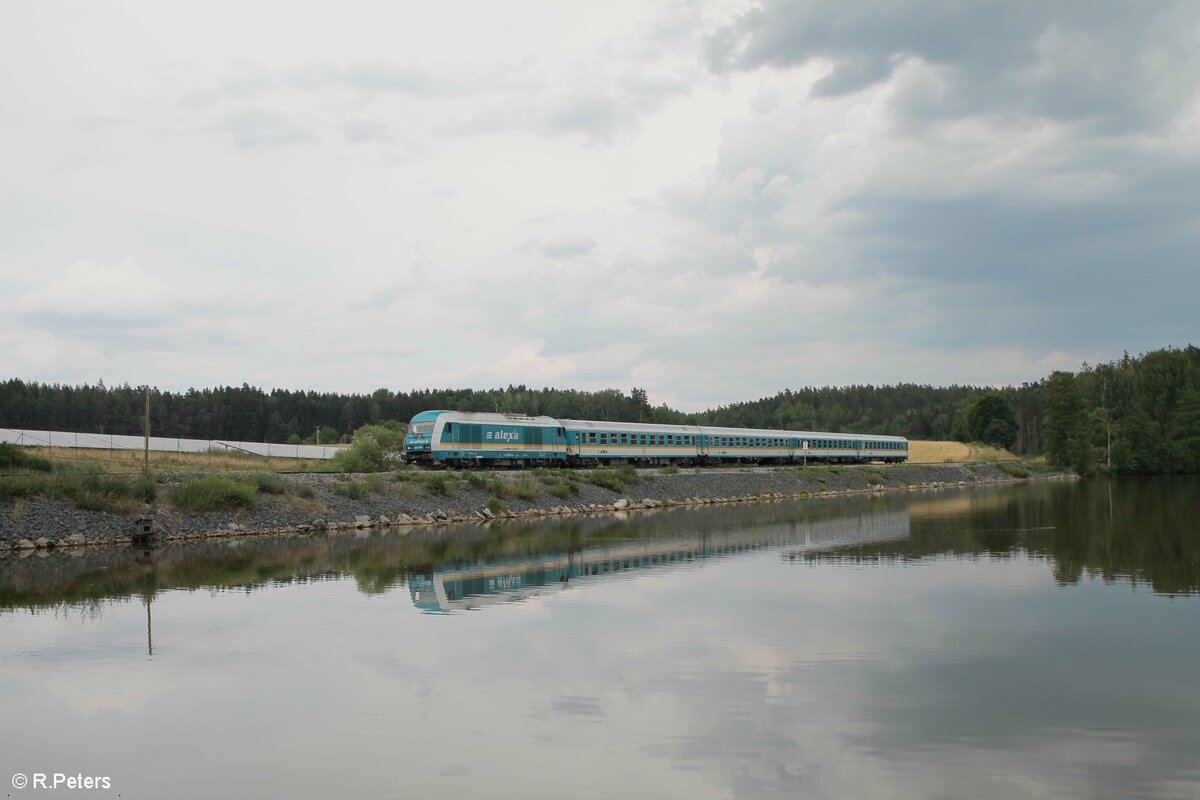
{"x":573,"y":438}
{"x":701,"y":443}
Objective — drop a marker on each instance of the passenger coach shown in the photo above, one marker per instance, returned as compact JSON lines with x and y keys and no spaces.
{"x":464,"y":439}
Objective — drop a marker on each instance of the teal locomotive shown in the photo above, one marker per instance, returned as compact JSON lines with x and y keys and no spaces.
{"x":468,"y":439}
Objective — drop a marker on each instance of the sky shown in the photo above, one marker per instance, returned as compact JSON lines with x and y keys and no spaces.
{"x":713,"y":201}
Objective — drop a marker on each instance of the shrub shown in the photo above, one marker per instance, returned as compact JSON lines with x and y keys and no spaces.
{"x":614,"y":479}
{"x":17,"y":487}
{"x":496,"y":505}
{"x":669,"y":470}
{"x":1014,"y":469}
{"x":476,"y":481}
{"x":525,"y":488}
{"x":307,"y":492}
{"x":212,"y":493}
{"x":270,"y":483}
{"x":374,"y":483}
{"x":86,"y":486}
{"x":406,"y":474}
{"x":440,"y":486}
{"x":374,"y":448}
{"x":355,"y":490}
{"x":564,"y":489}
{"x":14,"y":457}
{"x":607,"y":479}
{"x":874,"y":477}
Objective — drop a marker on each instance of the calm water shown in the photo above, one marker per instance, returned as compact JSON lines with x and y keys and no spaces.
{"x":1030,"y":641}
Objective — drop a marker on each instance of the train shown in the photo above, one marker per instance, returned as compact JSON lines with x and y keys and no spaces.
{"x":465,"y":439}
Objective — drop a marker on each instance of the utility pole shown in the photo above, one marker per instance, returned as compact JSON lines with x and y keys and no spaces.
{"x":146,"y":429}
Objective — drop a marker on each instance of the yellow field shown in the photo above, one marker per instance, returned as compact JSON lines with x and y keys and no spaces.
{"x":133,"y":460}
{"x":945,"y":452}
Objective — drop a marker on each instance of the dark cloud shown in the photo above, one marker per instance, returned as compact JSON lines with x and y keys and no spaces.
{"x":1111,"y":63}
{"x":1024,"y":178}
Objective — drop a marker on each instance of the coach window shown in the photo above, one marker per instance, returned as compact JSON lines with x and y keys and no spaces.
{"x":670,"y":438}
{"x":591,"y":438}
{"x":604,"y":438}
{"x":624,"y":438}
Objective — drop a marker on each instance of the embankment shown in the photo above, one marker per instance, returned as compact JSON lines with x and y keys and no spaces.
{"x":307,"y":502}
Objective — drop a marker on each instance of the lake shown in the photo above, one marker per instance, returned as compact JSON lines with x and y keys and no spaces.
{"x":1032,"y":640}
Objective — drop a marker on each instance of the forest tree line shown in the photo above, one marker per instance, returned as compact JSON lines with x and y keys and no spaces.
{"x":1133,"y":415}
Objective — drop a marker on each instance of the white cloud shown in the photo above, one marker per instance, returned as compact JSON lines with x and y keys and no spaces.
{"x":86,"y":289}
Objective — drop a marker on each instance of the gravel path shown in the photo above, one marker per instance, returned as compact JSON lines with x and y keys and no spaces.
{"x":316,"y":501}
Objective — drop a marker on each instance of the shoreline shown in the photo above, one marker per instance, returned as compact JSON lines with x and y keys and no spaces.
{"x":317,"y":502}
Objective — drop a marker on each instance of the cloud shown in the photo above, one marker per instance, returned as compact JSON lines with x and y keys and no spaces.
{"x":707,"y":203}
{"x":1090,"y":61}
{"x":561,"y":248}
{"x":375,"y":77}
{"x":261,"y":128}
{"x":86,"y":289}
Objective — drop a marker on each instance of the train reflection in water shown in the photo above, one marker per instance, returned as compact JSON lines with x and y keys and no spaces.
{"x":474,"y":586}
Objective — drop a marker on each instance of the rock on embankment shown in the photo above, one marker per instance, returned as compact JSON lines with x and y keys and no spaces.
{"x":330,"y":502}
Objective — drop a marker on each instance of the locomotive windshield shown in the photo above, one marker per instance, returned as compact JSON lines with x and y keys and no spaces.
{"x":421,"y":427}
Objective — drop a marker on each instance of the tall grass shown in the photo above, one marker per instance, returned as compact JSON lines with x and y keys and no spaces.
{"x":212,"y":493}
{"x":85,"y":485}
{"x":270,"y":483}
{"x":614,"y":479}
{"x":13,"y":457}
{"x":525,"y":488}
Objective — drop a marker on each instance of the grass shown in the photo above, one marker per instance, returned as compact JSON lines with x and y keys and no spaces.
{"x":496,"y":505}
{"x":212,"y":493}
{"x":270,"y":483}
{"x":564,"y":489}
{"x":989,"y":454}
{"x":134,"y":460}
{"x":13,"y":457}
{"x":874,"y":477}
{"x":525,"y":488}
{"x":615,"y":480}
{"x":85,"y":485}
{"x":440,"y":485}
{"x":355,"y":490}
{"x":1013,"y":469}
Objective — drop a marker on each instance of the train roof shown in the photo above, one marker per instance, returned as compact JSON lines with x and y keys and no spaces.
{"x":488,"y":417}
{"x":798,"y":434}
{"x":648,"y":427}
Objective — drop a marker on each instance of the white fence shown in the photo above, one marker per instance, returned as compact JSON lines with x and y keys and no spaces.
{"x":107,"y":441}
